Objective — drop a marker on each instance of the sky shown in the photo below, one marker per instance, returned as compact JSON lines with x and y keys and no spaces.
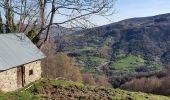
{"x":125,"y":9}
{"x":135,"y":8}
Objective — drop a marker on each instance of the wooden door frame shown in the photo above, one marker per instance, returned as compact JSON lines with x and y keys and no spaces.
{"x":21,"y":76}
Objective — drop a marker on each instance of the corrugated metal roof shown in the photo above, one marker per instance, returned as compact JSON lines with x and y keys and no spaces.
{"x":17,"y":49}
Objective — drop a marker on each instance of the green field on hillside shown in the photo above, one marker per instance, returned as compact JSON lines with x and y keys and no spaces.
{"x":129,"y":63}
{"x":156,"y":66}
{"x":91,"y":63}
{"x":92,"y":59}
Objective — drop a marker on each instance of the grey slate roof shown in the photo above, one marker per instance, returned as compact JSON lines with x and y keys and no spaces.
{"x":16,"y":50}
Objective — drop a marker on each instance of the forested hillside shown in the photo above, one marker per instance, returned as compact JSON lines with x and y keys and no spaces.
{"x":137,"y":44}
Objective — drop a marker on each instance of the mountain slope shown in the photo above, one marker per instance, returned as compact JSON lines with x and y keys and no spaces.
{"x":147,"y":37}
{"x":68,"y":90}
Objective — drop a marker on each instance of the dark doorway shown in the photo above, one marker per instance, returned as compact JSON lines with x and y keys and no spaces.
{"x":21,"y":76}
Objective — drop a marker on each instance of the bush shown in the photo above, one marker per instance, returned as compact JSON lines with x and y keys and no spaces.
{"x":102,"y":81}
{"x":60,"y":65}
{"x":88,"y":79}
{"x":149,"y":85}
{"x":165,"y":87}
{"x":93,"y":79}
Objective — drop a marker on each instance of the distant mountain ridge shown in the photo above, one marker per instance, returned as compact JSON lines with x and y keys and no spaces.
{"x":147,"y":36}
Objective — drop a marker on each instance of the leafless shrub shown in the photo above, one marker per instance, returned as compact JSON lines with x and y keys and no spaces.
{"x":92,"y":79}
{"x":149,"y":85}
{"x":165,"y":86}
{"x":102,"y":81}
{"x":88,"y":79}
{"x":61,"y":65}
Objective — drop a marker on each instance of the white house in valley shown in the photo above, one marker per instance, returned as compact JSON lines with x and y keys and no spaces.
{"x":20,"y":61}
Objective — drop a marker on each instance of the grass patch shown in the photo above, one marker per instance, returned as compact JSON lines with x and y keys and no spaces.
{"x":91,"y":63}
{"x":126,"y":95}
{"x":156,"y":66}
{"x":19,"y":95}
{"x":81,"y":48}
{"x":120,"y":53}
{"x":40,"y":90}
{"x":64,"y":83}
{"x":88,"y":69}
{"x":129,"y":63}
{"x":92,"y":59}
{"x":47,"y":82}
{"x":107,"y":43}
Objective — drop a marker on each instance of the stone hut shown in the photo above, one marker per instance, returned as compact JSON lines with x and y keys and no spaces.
{"x":20,"y":61}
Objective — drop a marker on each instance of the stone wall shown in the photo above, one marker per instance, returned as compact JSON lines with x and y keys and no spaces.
{"x":8,"y":78}
{"x":36,"y":67}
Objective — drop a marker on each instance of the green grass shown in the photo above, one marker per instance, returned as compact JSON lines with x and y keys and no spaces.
{"x":91,"y":47}
{"x":81,"y":91}
{"x":29,"y":94}
{"x":120,"y":53}
{"x":107,"y":43}
{"x":156,"y":66}
{"x":91,"y":62}
{"x":47,"y":82}
{"x":87,"y":48}
{"x":88,"y":69}
{"x":26,"y":95}
{"x":129,"y":63}
{"x":126,"y":95}
{"x":92,"y":59}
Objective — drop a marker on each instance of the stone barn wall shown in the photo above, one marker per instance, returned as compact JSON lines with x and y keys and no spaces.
{"x":8,"y":78}
{"x":36,"y":68}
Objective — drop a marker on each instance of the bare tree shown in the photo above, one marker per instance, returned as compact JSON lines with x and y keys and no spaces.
{"x":20,"y":14}
{"x":28,"y":14}
{"x":73,"y":13}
